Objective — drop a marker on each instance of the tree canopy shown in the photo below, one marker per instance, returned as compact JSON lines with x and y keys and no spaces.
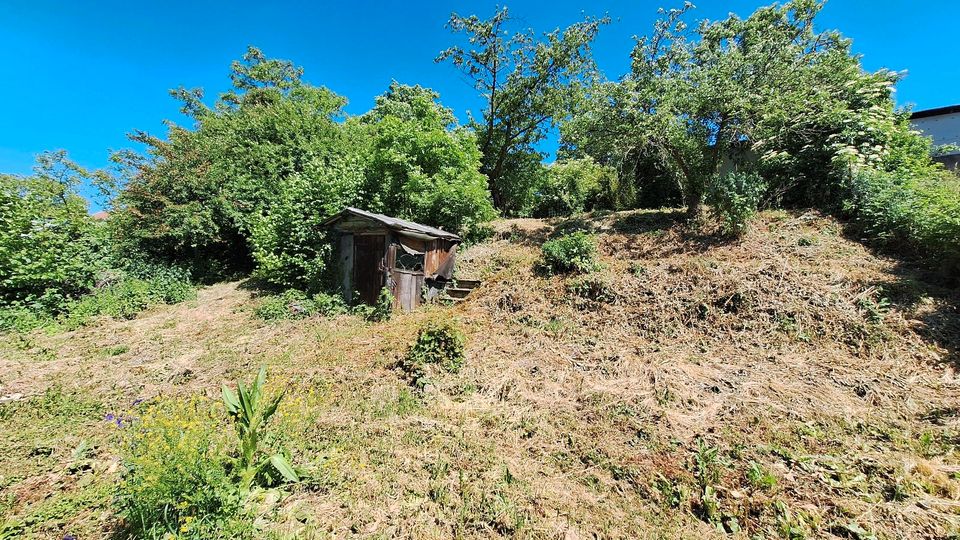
{"x":529,"y":84}
{"x":249,"y":186}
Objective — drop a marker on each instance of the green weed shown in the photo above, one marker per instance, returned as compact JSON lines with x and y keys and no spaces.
{"x":575,"y":252}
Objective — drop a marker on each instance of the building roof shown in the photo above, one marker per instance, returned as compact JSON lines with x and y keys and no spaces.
{"x":100,"y":216}
{"x":397,"y":224}
{"x":939,"y":111}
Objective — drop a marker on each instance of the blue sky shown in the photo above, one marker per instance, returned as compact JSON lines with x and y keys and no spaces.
{"x":80,"y":75}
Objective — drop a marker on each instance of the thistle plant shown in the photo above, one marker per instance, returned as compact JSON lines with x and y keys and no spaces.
{"x":250,"y":415}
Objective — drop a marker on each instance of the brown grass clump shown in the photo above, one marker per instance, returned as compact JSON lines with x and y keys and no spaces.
{"x":789,"y":384}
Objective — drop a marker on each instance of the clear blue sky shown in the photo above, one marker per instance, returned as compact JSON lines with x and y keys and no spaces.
{"x":80,"y":75}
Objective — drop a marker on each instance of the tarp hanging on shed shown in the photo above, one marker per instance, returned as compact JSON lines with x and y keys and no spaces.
{"x":445,"y":270}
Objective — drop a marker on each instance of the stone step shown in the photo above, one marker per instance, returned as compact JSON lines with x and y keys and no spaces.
{"x":457,"y":292}
{"x":468,"y":283}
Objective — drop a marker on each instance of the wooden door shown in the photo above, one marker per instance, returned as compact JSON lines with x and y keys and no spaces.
{"x":368,"y":251}
{"x":408,"y":285}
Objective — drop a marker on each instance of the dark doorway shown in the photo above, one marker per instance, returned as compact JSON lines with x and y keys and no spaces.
{"x":368,"y":251}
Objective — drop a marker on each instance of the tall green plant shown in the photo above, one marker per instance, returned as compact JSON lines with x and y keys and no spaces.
{"x":250,"y":414}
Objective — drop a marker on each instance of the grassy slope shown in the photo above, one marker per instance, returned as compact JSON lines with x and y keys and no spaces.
{"x":583,"y":408}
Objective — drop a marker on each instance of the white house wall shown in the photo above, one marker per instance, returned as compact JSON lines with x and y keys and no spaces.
{"x":944,"y":128}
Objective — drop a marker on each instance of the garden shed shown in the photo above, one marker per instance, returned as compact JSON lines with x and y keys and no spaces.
{"x":414,"y":261}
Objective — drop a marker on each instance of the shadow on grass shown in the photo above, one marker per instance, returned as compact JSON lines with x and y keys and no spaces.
{"x":258,"y":287}
{"x":926,"y":288}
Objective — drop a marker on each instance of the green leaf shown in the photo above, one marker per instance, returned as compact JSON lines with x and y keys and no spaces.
{"x":230,"y":400}
{"x":245,"y":402}
{"x":272,"y":408}
{"x":283,"y":466}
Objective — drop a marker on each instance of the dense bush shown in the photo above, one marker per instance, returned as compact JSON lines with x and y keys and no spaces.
{"x":572,"y":186}
{"x":734,"y":198}
{"x":920,"y":214}
{"x":250,"y":187}
{"x":575,"y":252}
{"x":420,"y":165}
{"x":50,"y":248}
{"x":439,"y":345}
{"x":176,"y":482}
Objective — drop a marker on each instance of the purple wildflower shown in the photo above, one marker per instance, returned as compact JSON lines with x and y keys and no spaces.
{"x":137,"y":402}
{"x":69,"y":537}
{"x":109,"y":417}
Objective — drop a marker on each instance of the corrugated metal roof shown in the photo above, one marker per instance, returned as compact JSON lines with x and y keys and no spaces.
{"x":396,"y":224}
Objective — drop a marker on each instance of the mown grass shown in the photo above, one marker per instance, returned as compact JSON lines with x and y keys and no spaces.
{"x":678,"y":407}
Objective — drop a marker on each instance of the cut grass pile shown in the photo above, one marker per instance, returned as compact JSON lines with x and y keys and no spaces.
{"x":790,"y":384}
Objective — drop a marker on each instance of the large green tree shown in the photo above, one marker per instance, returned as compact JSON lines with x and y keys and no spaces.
{"x":200,"y":195}
{"x":769,"y":91}
{"x":420,"y":164}
{"x":51,"y":250}
{"x":248,"y":186}
{"x":528,"y":83}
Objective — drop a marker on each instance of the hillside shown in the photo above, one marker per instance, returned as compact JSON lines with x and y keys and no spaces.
{"x":792,"y":384}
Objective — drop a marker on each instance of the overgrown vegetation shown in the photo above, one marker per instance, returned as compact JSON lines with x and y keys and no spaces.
{"x":185,"y":477}
{"x":576,"y":394}
{"x":787,"y":384}
{"x":176,"y":480}
{"x":574,"y":252}
{"x":439,"y":345}
{"x":237,"y":193}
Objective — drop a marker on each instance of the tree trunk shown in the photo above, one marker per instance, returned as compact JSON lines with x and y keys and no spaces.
{"x":694,"y":204}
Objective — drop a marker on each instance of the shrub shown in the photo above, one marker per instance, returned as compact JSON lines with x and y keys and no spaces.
{"x":921,"y":214}
{"x":734,"y":198}
{"x":440,"y":344}
{"x":19,"y":318}
{"x":569,"y":253}
{"x":296,"y":304}
{"x":176,"y":480}
{"x":571,"y":186}
{"x":128,"y":297}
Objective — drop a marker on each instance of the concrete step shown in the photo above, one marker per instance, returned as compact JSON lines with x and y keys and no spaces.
{"x":468,"y":283}
{"x":457,"y":292}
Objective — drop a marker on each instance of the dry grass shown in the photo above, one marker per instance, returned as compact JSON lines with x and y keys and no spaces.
{"x":582,"y":411}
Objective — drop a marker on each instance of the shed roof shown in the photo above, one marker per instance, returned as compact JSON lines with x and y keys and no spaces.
{"x":397,"y":224}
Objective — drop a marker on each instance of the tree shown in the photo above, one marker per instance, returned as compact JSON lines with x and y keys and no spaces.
{"x":198,"y":196}
{"x":529,"y":83}
{"x":50,"y":248}
{"x":421,"y":165}
{"x":249,"y":187}
{"x":727,"y":91}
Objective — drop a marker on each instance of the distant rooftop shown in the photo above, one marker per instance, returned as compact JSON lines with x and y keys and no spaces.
{"x":100,"y":216}
{"x":939,"y":111}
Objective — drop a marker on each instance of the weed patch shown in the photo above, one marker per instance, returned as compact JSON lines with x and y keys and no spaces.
{"x":439,"y":345}
{"x":575,"y":252}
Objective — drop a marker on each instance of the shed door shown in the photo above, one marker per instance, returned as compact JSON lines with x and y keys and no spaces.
{"x":368,"y":251}
{"x":408,"y":287}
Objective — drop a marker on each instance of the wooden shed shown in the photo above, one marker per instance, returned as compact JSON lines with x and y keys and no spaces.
{"x":374,"y":251}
